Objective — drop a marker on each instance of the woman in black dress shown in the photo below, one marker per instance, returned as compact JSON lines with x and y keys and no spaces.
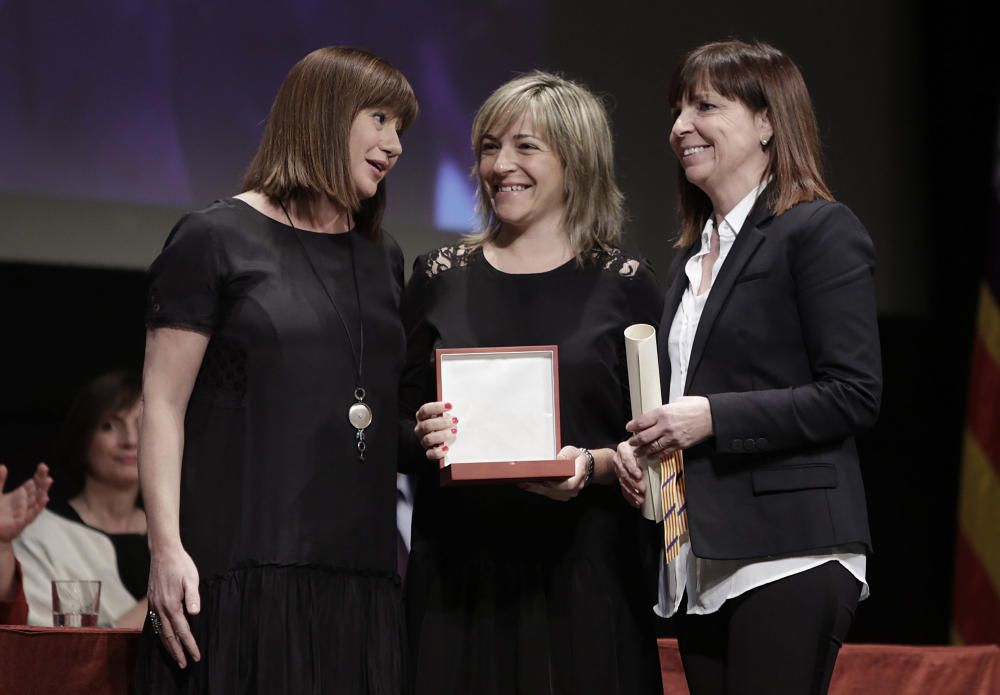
{"x":269,"y":437}
{"x":536,"y":588}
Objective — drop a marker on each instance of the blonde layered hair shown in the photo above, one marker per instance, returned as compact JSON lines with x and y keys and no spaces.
{"x":304,"y":152}
{"x":574,"y":122}
{"x":762,"y":78}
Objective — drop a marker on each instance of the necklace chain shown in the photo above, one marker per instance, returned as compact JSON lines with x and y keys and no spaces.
{"x":359,"y":414}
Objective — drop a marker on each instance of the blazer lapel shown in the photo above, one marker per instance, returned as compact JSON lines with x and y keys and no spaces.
{"x":746,"y":243}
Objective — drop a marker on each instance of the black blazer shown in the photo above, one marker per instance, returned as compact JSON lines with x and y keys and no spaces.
{"x":787,"y":352}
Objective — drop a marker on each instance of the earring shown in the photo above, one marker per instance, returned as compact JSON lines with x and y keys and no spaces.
{"x":764,"y":141}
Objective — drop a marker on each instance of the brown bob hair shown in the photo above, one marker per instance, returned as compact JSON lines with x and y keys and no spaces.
{"x":304,"y":150}
{"x":763,"y":79}
{"x":98,"y":400}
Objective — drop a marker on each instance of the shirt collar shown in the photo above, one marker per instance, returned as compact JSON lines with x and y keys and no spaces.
{"x":733,"y":222}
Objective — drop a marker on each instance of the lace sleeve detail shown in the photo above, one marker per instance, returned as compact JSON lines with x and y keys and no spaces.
{"x":614,"y":261}
{"x":446,"y":258}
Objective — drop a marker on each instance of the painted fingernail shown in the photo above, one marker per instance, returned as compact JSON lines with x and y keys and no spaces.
{"x":454,"y":430}
{"x":444,"y":448}
{"x":447,"y":406}
{"x":454,"y":420}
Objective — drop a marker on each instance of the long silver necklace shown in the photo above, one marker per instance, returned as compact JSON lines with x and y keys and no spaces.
{"x":359,"y":414}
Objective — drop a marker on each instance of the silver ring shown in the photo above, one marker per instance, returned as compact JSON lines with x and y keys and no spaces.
{"x":154,"y":622}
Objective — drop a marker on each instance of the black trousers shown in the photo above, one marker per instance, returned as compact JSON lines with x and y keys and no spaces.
{"x":779,"y":638}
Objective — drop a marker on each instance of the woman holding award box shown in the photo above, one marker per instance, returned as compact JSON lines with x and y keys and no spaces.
{"x":769,"y":348}
{"x":539,"y":587}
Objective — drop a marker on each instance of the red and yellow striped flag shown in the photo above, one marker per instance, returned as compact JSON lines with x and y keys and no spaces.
{"x":976,"y":609}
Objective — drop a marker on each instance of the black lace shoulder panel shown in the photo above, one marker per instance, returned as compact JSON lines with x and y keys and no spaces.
{"x":447,"y":258}
{"x":450,"y":257}
{"x":614,"y":261}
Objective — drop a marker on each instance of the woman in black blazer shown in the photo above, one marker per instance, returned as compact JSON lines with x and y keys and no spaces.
{"x":769,"y":351}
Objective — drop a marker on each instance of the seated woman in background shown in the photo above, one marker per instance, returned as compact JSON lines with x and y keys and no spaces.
{"x":100,"y":532}
{"x":18,"y":508}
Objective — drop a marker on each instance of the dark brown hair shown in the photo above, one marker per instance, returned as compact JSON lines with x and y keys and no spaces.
{"x":304,"y":150}
{"x":98,"y":400}
{"x":762,"y":78}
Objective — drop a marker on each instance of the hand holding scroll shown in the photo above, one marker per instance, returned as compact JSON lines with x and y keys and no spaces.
{"x":678,"y":425}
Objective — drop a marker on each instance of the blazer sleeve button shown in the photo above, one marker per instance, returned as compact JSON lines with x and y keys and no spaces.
{"x":737,"y":445}
{"x":761,"y":443}
{"x":749,"y":444}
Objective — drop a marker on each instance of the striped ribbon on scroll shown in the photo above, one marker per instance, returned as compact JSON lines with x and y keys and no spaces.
{"x":675,"y":518}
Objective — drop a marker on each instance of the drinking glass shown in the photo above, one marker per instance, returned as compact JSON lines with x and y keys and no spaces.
{"x":75,"y":602}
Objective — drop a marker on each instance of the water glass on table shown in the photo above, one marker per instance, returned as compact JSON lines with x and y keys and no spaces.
{"x":75,"y":602}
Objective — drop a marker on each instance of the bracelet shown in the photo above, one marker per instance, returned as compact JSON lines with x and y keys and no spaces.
{"x":590,"y":466}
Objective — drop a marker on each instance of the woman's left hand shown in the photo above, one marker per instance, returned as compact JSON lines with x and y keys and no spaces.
{"x":678,"y":425}
{"x":563,"y":490}
{"x":630,"y":476}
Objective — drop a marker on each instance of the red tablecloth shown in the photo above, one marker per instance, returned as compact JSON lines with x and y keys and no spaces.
{"x":66,"y":661}
{"x":79,"y":661}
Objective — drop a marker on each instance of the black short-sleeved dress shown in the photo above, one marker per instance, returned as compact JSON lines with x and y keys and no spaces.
{"x":508,"y":591}
{"x":292,"y":534}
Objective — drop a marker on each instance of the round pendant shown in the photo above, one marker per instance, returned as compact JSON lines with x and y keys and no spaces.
{"x":360,"y":416}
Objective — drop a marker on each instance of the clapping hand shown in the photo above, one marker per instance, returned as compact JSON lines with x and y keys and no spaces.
{"x":23,"y":504}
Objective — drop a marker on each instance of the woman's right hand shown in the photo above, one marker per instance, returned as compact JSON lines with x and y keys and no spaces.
{"x":630,"y":477}
{"x":23,"y":504}
{"x":173,"y":595}
{"x":436,"y":428}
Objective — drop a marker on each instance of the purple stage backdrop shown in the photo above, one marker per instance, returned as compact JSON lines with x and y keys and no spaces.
{"x":162,"y":102}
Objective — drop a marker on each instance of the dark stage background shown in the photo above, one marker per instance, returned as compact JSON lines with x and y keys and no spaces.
{"x":115,"y":117}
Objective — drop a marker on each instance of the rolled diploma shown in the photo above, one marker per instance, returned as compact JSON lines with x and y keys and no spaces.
{"x":644,"y":388}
